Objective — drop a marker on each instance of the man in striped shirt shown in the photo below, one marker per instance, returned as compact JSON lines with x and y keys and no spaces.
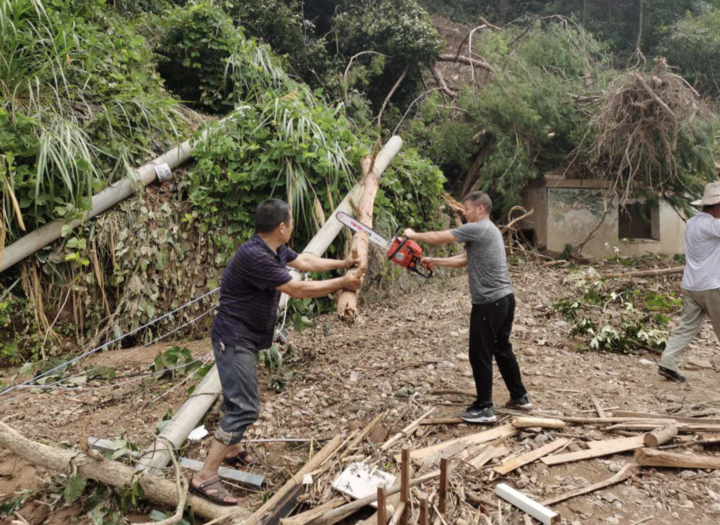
{"x":700,"y":283}
{"x":245,"y":321}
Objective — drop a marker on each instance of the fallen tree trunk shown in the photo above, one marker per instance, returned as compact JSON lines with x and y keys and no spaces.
{"x":646,"y":273}
{"x":347,"y":300}
{"x":467,"y":61}
{"x":648,"y":457}
{"x":109,"y":472}
{"x":332,"y":227}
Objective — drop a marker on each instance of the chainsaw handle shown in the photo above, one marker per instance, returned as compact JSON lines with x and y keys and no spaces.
{"x":427,"y":275}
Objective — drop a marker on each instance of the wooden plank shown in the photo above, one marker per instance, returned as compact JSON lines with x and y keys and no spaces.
{"x":614,"y":446}
{"x":382,"y":517}
{"x":246,"y":479}
{"x":284,"y":507}
{"x":682,"y":427}
{"x":624,"y":473}
{"x":531,"y":456}
{"x":679,"y":419}
{"x":537,"y":422}
{"x":488,"y":454}
{"x":463,"y":442}
{"x":541,"y":513}
{"x":598,"y":407}
{"x":648,"y":457}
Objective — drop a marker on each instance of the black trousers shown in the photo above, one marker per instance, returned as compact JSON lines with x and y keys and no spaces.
{"x":490,"y":327}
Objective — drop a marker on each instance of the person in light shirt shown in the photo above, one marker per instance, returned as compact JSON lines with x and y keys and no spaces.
{"x":701,"y":281}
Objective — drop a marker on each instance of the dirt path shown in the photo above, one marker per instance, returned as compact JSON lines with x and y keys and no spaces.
{"x":338,"y":378}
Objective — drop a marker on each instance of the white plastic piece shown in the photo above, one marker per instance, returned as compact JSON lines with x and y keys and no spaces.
{"x":536,"y":510}
{"x":359,"y":481}
{"x":307,"y":479}
{"x":199,"y":433}
{"x":163,"y":172}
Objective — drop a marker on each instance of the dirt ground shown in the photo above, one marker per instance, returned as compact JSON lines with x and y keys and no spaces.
{"x":337,"y":378}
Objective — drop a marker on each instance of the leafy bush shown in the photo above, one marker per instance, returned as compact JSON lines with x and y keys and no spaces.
{"x":693,"y":45}
{"x":81,"y":103}
{"x":207,"y":62}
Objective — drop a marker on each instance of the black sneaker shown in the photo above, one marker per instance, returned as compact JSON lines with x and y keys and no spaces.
{"x":476,"y":414}
{"x":672,"y":375}
{"x":522,"y":404}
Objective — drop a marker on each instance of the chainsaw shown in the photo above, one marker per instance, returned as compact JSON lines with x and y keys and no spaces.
{"x":402,"y":251}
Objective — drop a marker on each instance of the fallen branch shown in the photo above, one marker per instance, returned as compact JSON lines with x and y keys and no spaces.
{"x":467,"y":61}
{"x":646,"y":273}
{"x":441,"y":82}
{"x":648,"y":457}
{"x":108,"y":472}
{"x":626,"y":472}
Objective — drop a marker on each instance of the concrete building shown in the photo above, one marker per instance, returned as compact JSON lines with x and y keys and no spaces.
{"x":567,"y":211}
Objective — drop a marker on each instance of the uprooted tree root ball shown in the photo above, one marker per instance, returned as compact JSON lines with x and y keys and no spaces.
{"x":647,"y":128}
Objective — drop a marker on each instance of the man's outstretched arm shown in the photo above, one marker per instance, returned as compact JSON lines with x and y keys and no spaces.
{"x":432,"y":238}
{"x":296,"y":289}
{"x":309,"y":263}
{"x":458,"y":261}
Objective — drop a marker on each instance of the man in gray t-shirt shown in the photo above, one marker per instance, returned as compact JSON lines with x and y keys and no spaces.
{"x":493,"y":303}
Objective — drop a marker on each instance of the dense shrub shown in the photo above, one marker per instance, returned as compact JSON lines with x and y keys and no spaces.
{"x":80,"y":103}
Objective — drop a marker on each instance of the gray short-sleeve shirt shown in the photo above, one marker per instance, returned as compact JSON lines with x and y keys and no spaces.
{"x":487,"y":264}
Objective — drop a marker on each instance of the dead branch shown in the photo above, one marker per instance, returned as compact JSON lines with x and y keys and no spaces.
{"x":389,"y":96}
{"x":441,"y":82}
{"x":347,"y":69}
{"x":482,"y":64}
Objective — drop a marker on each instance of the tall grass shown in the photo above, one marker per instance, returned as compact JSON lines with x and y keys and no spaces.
{"x":83,"y":87}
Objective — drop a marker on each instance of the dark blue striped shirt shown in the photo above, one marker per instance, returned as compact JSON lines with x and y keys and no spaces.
{"x":248,"y":296}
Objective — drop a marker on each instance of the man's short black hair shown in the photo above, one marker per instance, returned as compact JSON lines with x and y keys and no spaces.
{"x":708,"y":209}
{"x":479,"y":198}
{"x":271,"y":214}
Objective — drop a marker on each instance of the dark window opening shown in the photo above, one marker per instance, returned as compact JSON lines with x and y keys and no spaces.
{"x":639,"y":220}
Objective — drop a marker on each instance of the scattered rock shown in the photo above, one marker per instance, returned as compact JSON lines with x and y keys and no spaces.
{"x":595,"y":435}
{"x":646,"y":362}
{"x":613,"y":520}
{"x":530,"y":351}
{"x":609,"y":497}
{"x":699,"y":363}
{"x":354,"y":376}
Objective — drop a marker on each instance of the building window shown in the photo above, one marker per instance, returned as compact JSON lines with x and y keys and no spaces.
{"x":639,"y":221}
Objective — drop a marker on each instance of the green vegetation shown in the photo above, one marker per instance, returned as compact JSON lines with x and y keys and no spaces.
{"x":80,"y":104}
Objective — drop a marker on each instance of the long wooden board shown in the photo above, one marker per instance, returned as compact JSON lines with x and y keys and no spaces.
{"x":608,"y":448}
{"x":488,"y":454}
{"x":682,"y":427}
{"x":679,"y":419}
{"x":465,"y":441}
{"x":531,"y":456}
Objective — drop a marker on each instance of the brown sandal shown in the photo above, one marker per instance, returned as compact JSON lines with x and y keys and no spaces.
{"x":240,"y":459}
{"x":214,"y":491}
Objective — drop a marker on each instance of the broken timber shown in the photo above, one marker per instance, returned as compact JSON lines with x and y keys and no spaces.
{"x":332,"y":227}
{"x":660,"y":436}
{"x":601,"y":448}
{"x":538,"y":422}
{"x":462,"y":442}
{"x":531,"y":456}
{"x":109,"y":472}
{"x":648,"y":457}
{"x":347,"y":300}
